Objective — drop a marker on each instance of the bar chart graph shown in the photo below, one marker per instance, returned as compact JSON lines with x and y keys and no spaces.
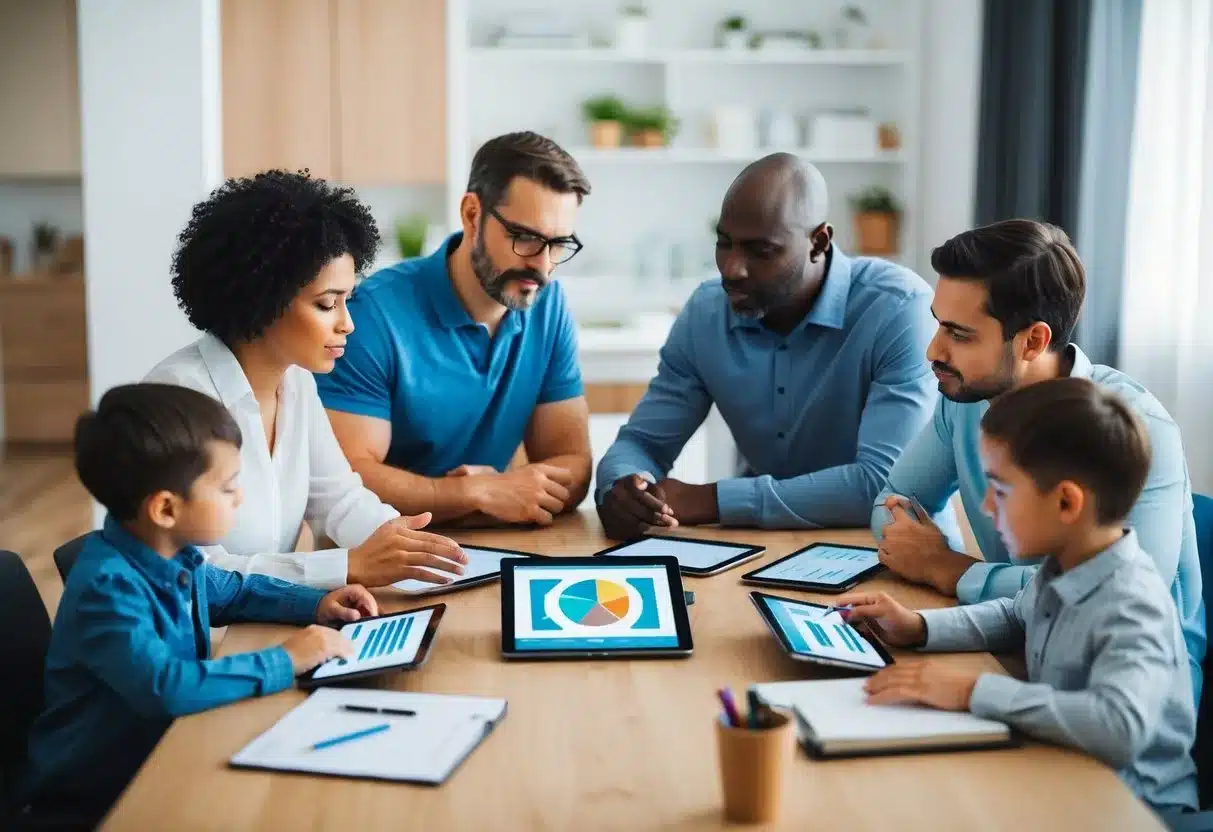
{"x":379,"y":643}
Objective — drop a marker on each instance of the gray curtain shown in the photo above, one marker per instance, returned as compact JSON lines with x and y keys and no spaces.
{"x":1034,"y":61}
{"x":1104,"y":191}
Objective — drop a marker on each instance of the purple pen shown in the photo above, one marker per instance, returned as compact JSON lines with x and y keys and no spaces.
{"x":730,"y":707}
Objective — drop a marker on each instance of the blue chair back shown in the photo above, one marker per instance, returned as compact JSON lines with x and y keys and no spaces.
{"x":65,"y":556}
{"x":25,"y":634}
{"x":1202,"y":752}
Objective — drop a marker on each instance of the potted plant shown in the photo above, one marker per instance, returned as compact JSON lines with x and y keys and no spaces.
{"x":733,"y":34}
{"x":852,"y":26}
{"x":410,"y":235}
{"x":651,"y":126}
{"x":632,"y":29}
{"x":46,"y":246}
{"x":605,"y":114}
{"x":877,"y":218}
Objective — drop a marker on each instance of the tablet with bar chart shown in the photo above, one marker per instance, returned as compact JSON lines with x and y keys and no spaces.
{"x":400,"y":641}
{"x":819,"y":567}
{"x":816,"y":633}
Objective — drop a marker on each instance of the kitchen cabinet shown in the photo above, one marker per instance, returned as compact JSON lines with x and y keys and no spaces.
{"x":39,"y":89}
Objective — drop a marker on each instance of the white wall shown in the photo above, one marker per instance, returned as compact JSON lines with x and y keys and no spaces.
{"x":149,"y":89}
{"x":951,"y":94}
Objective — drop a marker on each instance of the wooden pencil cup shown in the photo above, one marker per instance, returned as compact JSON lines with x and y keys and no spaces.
{"x":753,"y":766}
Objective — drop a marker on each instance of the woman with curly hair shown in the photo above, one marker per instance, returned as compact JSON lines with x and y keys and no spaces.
{"x":264,"y":268}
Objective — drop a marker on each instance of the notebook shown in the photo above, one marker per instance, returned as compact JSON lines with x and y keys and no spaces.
{"x":425,"y":747}
{"x":835,"y":720}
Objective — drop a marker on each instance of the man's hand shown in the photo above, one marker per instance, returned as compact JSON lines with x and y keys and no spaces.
{"x":533,"y":493}
{"x":693,"y":505}
{"x":918,"y":551}
{"x":315,"y":645}
{"x":471,"y":471}
{"x":397,"y":551}
{"x":927,"y":683}
{"x":633,"y":507}
{"x":896,"y":625}
{"x":349,"y":603}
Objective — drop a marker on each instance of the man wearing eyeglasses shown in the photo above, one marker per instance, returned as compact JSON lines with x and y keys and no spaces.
{"x":460,"y":357}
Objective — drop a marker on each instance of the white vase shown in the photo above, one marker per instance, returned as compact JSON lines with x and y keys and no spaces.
{"x":735,"y":39}
{"x":734,"y":129}
{"x":631,"y":34}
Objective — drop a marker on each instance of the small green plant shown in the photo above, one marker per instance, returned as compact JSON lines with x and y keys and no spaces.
{"x":634,"y":10}
{"x":410,"y":235}
{"x":876,"y":199}
{"x":604,"y":108}
{"x":854,"y":14}
{"x":735,"y":23}
{"x":651,"y":118}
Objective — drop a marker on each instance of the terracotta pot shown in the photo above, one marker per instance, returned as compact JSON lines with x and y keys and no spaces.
{"x":648,"y":138}
{"x":876,"y":233}
{"x":606,"y":134}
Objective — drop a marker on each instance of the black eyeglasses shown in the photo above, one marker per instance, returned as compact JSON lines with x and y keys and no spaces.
{"x":528,"y":243}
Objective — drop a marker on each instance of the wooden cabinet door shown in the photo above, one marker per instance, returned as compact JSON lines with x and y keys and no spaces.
{"x":278,"y":86}
{"x":391,"y":91}
{"x":39,"y":89}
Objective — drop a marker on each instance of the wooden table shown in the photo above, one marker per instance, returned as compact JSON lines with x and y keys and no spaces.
{"x":612,"y":744}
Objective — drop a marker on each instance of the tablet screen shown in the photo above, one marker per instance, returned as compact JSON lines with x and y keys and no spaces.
{"x":592,"y":607}
{"x":695,"y":555}
{"x":389,"y":641}
{"x":805,"y":630}
{"x":821,"y":564}
{"x":481,"y":564}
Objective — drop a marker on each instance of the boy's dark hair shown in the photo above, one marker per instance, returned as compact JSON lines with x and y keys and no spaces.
{"x":251,"y":245}
{"x":529,"y":155}
{"x":1030,"y":269}
{"x":1070,"y":429}
{"x":144,"y":438}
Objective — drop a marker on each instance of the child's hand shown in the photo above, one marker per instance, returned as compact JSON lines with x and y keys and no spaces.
{"x":895,"y":624}
{"x":314,"y":645}
{"x":349,"y":603}
{"x":929,"y":683}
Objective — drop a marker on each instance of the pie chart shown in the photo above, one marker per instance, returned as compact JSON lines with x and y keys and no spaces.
{"x":595,"y":602}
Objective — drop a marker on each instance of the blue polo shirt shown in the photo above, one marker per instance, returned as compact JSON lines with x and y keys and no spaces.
{"x":454,"y":394}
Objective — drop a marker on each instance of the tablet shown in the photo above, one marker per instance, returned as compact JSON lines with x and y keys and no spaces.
{"x":810,"y":634}
{"x":593,"y":608}
{"x":400,"y":641}
{"x":819,"y":567}
{"x":483,"y":566}
{"x":695,"y":557}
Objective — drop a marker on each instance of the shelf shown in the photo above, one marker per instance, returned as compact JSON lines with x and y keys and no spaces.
{"x":707,"y":155}
{"x":819,"y":57}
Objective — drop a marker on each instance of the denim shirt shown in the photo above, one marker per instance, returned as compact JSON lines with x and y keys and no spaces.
{"x":130,"y":651}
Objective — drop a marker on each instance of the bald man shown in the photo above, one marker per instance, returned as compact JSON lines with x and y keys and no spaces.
{"x":816,"y":361}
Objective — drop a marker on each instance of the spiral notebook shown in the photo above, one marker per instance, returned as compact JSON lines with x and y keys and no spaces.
{"x":834,"y":720}
{"x":340,"y":732}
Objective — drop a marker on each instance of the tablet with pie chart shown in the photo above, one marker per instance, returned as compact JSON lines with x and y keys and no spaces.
{"x":580,"y":608}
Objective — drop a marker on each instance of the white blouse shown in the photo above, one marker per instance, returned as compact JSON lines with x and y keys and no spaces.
{"x":307,"y":477}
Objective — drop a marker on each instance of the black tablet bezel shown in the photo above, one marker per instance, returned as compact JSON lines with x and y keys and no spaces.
{"x":861,"y":627}
{"x":308,"y":682}
{"x":682,"y":621}
{"x":457,"y":585}
{"x":751,"y":552}
{"x":808,"y":586}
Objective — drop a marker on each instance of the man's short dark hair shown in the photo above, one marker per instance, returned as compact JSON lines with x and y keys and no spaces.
{"x":251,"y":245}
{"x":144,"y":438}
{"x":1030,"y":269}
{"x":1071,"y":429}
{"x":529,"y":155}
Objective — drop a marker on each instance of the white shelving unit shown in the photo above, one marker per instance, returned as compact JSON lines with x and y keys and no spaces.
{"x":654,"y":207}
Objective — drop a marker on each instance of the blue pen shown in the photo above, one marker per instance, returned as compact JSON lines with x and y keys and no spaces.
{"x":356,"y":735}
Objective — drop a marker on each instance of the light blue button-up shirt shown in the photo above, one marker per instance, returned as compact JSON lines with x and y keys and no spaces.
{"x":819,"y":415}
{"x":1107,"y":667}
{"x":944,"y":458}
